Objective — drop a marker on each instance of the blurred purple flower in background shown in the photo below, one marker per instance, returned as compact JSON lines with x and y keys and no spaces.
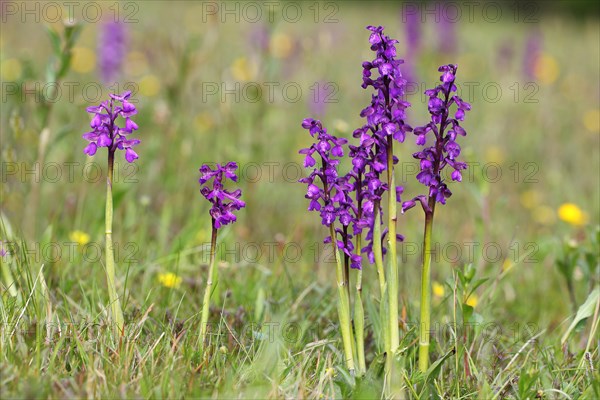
{"x":259,"y":37}
{"x":446,"y":27}
{"x":317,"y":104}
{"x":112,"y":46}
{"x":411,"y":20}
{"x":505,"y":55}
{"x":533,"y":48}
{"x":224,"y":202}
{"x":106,"y":133}
{"x":412,"y":28}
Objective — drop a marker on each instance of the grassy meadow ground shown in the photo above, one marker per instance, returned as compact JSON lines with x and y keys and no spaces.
{"x":209,"y":89}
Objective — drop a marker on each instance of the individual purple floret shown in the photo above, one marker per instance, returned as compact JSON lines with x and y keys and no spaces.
{"x":106,"y":132}
{"x":445,"y":128}
{"x":112,"y":46}
{"x":224,"y":202}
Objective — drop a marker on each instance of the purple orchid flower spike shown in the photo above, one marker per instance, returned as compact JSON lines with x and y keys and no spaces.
{"x":445,"y":128}
{"x":329,"y":194}
{"x":385,"y":122}
{"x":224,"y":202}
{"x":105,"y":131}
{"x":326,"y":148}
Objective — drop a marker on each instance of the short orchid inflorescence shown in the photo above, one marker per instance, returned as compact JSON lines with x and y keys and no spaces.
{"x":105,"y":131}
{"x":224,"y":202}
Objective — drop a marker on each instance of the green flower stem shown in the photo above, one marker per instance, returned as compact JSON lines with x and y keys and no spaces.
{"x":426,"y":290}
{"x":392,"y":278}
{"x":343,"y":306}
{"x":359,"y":317}
{"x":383,"y":305}
{"x":115,"y":304}
{"x":377,"y":252}
{"x":347,"y":286}
{"x":212,"y":276}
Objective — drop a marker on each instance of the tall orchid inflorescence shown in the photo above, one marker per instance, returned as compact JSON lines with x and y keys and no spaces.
{"x":443,"y":129}
{"x":355,"y":199}
{"x":352,"y":202}
{"x":224,"y":203}
{"x":107,"y":133}
{"x":329,"y":195}
{"x":385,"y":123}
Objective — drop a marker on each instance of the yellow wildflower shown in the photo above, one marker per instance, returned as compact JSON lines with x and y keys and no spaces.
{"x":149,"y":86}
{"x":341,"y":125}
{"x":281,"y":45}
{"x":544,"y":215}
{"x":169,"y":280}
{"x":79,"y":237}
{"x":438,"y":289}
{"x":572,"y":214}
{"x":84,"y":60}
{"x":243,"y":70}
{"x":136,"y":63}
{"x":11,"y":69}
{"x":203,"y":121}
{"x":494,"y":154}
{"x":591,"y":121}
{"x":546,"y":69}
{"x":530,"y":198}
{"x":472,"y":300}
